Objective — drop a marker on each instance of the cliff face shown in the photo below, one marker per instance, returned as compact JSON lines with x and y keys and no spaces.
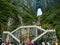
{"x":47,"y":4}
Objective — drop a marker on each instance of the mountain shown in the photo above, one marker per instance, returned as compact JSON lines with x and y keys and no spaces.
{"x":46,"y":5}
{"x":51,"y":19}
{"x":31,"y":6}
{"x":10,"y":16}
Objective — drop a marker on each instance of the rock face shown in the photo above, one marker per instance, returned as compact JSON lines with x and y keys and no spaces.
{"x":46,"y":4}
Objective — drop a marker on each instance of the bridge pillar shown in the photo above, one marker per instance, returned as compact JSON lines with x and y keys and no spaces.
{"x":36,"y":33}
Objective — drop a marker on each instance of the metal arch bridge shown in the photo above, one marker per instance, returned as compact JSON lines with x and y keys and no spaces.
{"x":20,"y":31}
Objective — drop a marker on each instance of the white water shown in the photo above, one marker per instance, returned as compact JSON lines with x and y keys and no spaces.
{"x":39,"y":12}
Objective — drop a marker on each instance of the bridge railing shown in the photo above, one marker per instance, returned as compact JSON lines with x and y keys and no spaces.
{"x":42,"y":35}
{"x":16,"y":33}
{"x":7,"y":32}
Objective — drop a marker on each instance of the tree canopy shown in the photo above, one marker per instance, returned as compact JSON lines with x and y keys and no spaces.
{"x":51,"y":20}
{"x":8,"y":10}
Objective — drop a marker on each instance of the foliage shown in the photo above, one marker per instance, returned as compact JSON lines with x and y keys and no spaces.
{"x":52,"y":19}
{"x":28,"y":13}
{"x":25,"y":5}
{"x":47,"y":26}
{"x":8,"y":10}
{"x":57,"y":27}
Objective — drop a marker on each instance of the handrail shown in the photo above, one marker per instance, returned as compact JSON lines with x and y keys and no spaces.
{"x":28,"y":27}
{"x":45,"y":31}
{"x":39,"y":36}
{"x":12,"y":36}
{"x":42,"y":35}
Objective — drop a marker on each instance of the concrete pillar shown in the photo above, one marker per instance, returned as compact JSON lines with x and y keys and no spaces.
{"x":28,"y":30}
{"x":36,"y":32}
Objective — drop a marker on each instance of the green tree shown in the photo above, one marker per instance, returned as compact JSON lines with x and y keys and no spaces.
{"x":8,"y":10}
{"x":52,"y":17}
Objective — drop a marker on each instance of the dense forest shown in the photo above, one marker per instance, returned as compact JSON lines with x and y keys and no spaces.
{"x":49,"y":20}
{"x":8,"y":11}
